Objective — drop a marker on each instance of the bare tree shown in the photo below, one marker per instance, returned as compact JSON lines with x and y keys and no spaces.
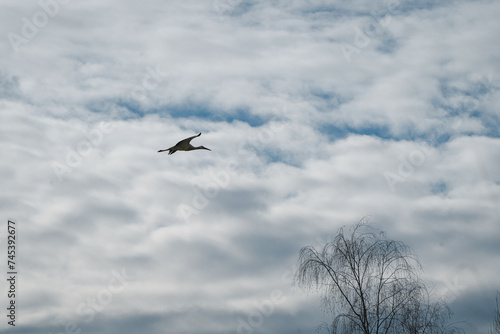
{"x":370,"y":284}
{"x":422,"y":315}
{"x":496,"y":323}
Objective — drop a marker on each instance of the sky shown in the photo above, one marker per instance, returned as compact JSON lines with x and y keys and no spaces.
{"x":318,"y":114}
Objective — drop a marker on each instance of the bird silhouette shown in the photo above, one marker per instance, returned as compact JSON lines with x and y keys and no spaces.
{"x":184,"y":145}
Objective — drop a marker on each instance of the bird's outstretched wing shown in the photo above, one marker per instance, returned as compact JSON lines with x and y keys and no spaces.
{"x":187,"y":140}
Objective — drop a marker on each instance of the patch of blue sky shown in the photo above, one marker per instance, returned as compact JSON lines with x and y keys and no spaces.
{"x":451,"y":111}
{"x":490,"y":122}
{"x":433,"y":137}
{"x":469,"y":103}
{"x":492,"y":125}
{"x":326,"y":100}
{"x":106,"y":106}
{"x":241,"y":7}
{"x":408,"y":6}
{"x":388,"y":44}
{"x":269,"y":155}
{"x":133,"y":108}
{"x":436,"y":138}
{"x":323,"y":10}
{"x":335,"y":132}
{"x":280,"y":156}
{"x":196,"y":110}
{"x":439,"y":188}
{"x":204,"y":112}
{"x":479,"y":89}
{"x":327,"y":96}
{"x":232,"y":8}
{"x":391,"y":8}
{"x":9,"y":86}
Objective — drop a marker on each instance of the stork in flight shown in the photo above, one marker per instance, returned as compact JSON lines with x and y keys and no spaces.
{"x":184,"y":145}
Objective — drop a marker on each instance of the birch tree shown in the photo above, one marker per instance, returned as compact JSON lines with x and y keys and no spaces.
{"x":371,"y":285}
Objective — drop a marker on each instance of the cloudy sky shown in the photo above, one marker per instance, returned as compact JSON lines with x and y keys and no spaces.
{"x":318,"y":113}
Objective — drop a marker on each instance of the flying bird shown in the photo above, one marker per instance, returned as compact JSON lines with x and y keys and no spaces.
{"x":184,"y":145}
